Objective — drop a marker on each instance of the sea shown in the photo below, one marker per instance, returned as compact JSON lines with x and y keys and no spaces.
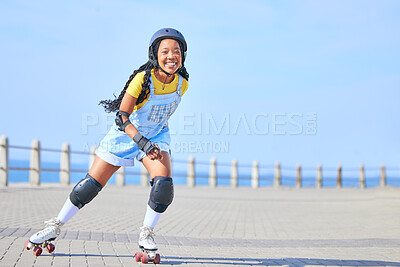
{"x":50,"y":174}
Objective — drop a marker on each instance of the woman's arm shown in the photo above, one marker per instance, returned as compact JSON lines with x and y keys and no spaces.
{"x":128,"y":104}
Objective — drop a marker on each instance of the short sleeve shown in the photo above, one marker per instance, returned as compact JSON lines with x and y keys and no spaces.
{"x":185,"y":86}
{"x":135,"y":86}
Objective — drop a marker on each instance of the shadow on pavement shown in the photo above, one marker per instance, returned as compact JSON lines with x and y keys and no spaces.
{"x":298,"y":262}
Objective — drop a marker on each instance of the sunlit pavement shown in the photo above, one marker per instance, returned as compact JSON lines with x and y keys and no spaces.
{"x":210,"y":227}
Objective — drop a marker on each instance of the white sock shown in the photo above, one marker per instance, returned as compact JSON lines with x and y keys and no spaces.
{"x":68,"y":211}
{"x":151,"y":218}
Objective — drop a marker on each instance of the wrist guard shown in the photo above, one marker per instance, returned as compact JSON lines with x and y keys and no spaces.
{"x":143,"y":143}
{"x":119,"y":122}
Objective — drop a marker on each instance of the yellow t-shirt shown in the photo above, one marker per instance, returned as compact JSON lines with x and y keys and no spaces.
{"x":135,"y":86}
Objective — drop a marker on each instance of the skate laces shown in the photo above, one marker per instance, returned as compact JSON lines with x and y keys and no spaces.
{"x":146,"y":233}
{"x":52,"y":226}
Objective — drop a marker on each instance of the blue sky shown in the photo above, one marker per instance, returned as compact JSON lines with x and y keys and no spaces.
{"x":309,"y":82}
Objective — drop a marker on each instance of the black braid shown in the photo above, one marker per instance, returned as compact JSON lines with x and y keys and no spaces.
{"x":145,"y":87}
{"x":182,"y":71}
{"x":113,"y":105}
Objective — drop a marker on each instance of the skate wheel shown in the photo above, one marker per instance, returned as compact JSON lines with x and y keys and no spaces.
{"x":145,"y":258}
{"x":138,"y":256}
{"x":50,"y":247}
{"x":27,"y":245}
{"x":157,"y":259}
{"x":37,"y":251}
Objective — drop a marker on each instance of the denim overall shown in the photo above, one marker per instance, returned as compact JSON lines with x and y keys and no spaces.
{"x":118,"y":149}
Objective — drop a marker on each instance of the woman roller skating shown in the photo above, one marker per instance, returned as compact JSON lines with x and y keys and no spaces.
{"x":150,"y":96}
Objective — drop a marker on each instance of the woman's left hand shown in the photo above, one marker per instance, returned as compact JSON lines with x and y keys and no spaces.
{"x":155,"y":154}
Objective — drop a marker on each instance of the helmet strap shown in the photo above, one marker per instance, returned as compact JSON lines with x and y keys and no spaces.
{"x":168,"y":74}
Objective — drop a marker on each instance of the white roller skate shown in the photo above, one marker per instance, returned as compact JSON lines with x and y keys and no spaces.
{"x":148,"y":246}
{"x":44,"y":237}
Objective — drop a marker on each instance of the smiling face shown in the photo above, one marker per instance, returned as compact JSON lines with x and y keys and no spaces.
{"x":169,"y":55}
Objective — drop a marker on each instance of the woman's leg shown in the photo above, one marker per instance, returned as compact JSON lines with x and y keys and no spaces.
{"x":83,"y":192}
{"x":156,"y":168}
{"x":101,"y":172}
{"x":160,"y":197}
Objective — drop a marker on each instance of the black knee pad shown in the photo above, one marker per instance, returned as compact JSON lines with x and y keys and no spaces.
{"x":85,"y":191}
{"x":162,"y":193}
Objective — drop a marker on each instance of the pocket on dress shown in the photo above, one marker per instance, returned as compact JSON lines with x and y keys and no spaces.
{"x":162,"y":112}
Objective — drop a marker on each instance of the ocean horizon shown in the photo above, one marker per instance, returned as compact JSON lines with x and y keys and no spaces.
{"x":132,"y":175}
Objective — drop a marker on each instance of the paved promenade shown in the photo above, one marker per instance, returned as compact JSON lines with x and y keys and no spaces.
{"x":210,"y":227}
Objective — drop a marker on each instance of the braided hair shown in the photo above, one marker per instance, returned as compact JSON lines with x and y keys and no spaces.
{"x":113,"y":105}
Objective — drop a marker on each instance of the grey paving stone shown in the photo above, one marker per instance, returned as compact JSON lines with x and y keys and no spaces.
{"x":211,"y":227}
{"x":96,"y":236}
{"x":71,"y":235}
{"x":121,"y":238}
{"x":109,"y":237}
{"x":9,"y":231}
{"x":82,"y":235}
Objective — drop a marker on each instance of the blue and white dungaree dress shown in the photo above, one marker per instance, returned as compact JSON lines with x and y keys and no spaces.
{"x":118,"y":149}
